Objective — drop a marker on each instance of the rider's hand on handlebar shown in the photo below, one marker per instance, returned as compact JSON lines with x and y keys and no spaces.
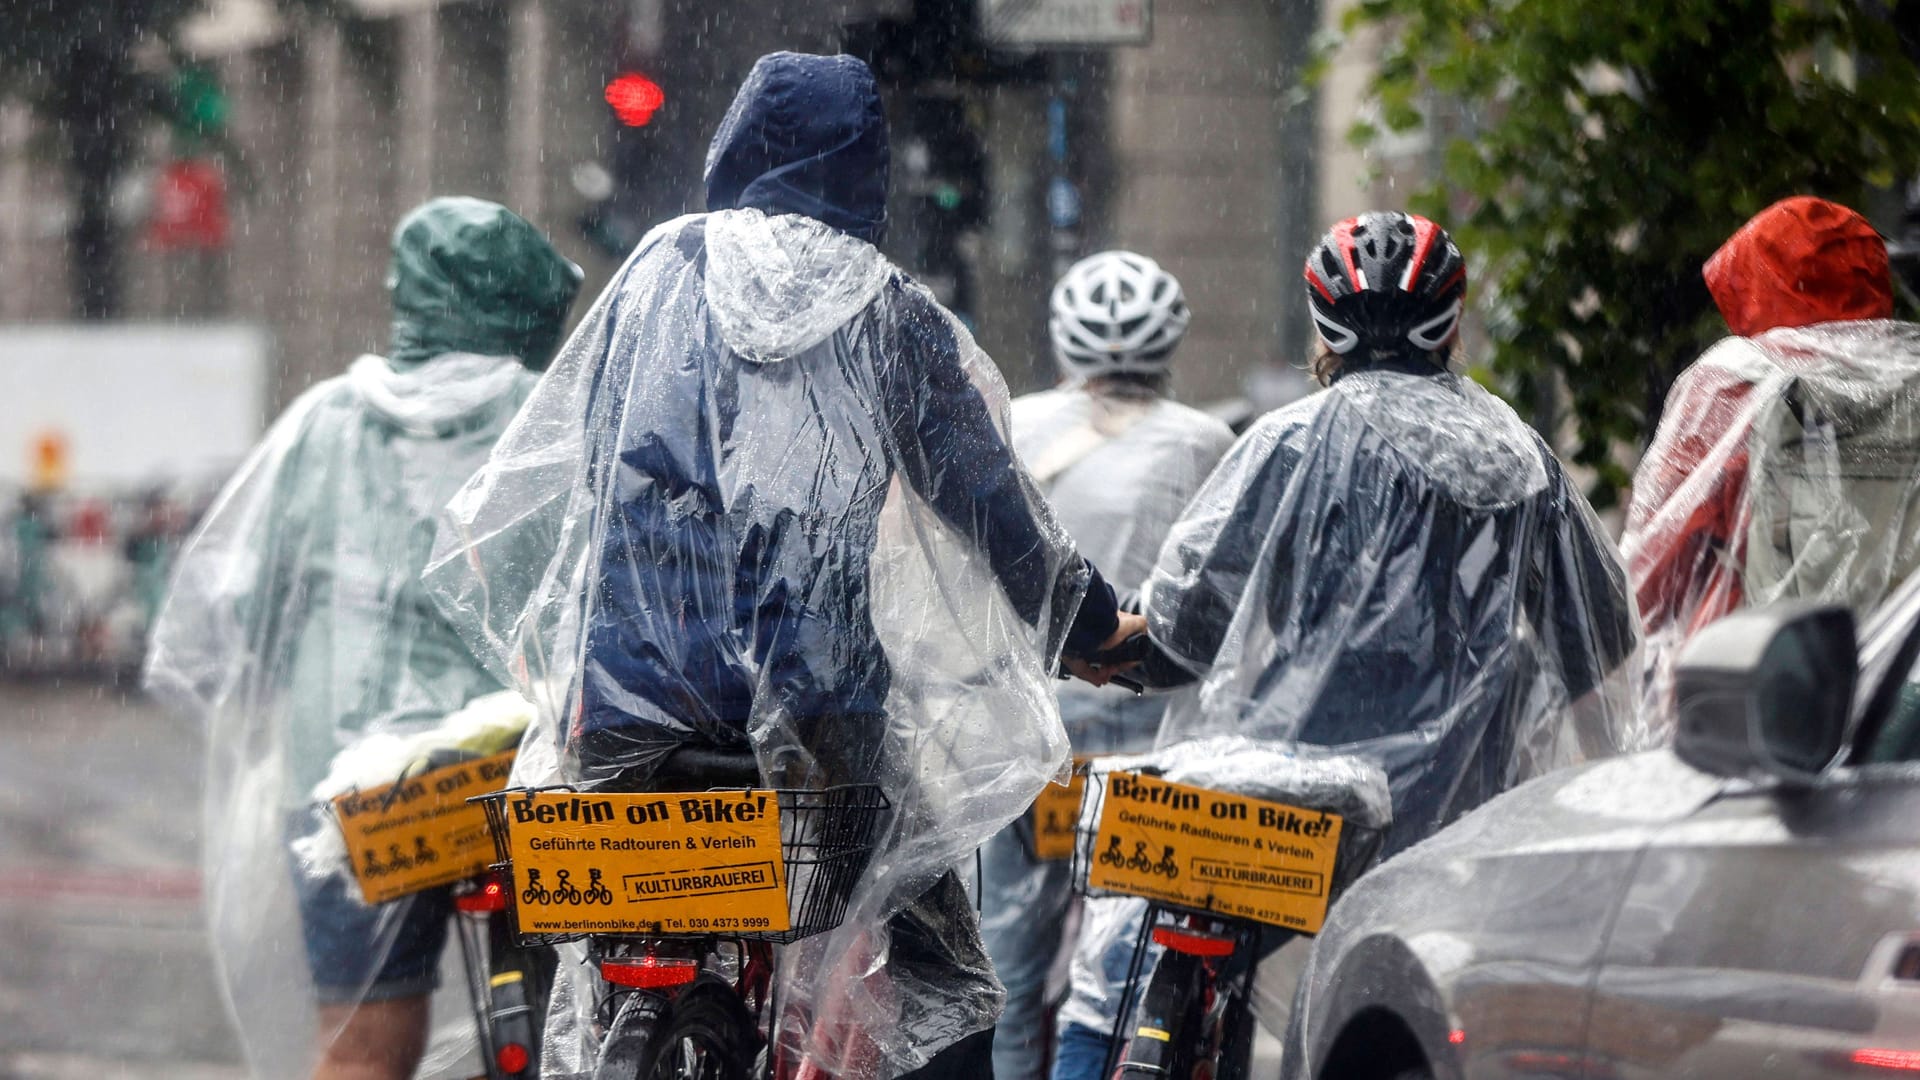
{"x":1100,"y":674}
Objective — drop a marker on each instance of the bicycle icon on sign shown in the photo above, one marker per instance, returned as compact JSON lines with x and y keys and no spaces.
{"x":535,"y":893}
{"x":1166,"y":867}
{"x":597,"y":891}
{"x":1112,"y":855}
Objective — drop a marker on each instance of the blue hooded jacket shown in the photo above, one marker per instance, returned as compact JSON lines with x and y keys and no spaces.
{"x":741,"y":488}
{"x":805,"y":135}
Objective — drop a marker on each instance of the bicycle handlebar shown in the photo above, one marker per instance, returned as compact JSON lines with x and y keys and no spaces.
{"x":1132,"y":650}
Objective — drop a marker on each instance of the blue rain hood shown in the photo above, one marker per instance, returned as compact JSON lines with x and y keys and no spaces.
{"x":805,"y":135}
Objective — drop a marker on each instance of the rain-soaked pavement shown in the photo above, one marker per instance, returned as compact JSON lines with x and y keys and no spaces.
{"x":104,"y":971}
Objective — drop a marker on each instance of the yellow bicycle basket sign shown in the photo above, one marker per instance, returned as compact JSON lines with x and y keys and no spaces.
{"x":1054,"y":812}
{"x":421,"y":832}
{"x":647,"y":864}
{"x":1214,"y":851}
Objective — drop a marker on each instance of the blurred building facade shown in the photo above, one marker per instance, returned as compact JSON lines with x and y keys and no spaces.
{"x":1199,"y":148}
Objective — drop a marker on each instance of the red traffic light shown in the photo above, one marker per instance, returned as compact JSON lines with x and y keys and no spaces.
{"x":635,"y":98}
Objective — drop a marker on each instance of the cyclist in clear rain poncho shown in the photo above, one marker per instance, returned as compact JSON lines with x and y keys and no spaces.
{"x":1118,"y":461}
{"x":297,"y":628}
{"x":765,"y":500}
{"x":1396,"y":568}
{"x":1787,"y":461}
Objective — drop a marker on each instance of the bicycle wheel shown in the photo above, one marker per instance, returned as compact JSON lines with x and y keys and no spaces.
{"x":704,"y":1033}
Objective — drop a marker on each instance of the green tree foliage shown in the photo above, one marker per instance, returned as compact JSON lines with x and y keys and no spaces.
{"x":78,"y":63}
{"x":75,"y":60}
{"x":43,"y":35}
{"x":1594,"y":153}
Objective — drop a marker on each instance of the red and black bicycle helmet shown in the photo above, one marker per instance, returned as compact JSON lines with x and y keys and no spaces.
{"x":1384,"y":281}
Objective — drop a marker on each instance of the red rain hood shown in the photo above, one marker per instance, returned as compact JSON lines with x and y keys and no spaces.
{"x":1798,"y":262}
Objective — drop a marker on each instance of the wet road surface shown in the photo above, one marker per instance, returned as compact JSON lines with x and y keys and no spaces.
{"x":104,"y":970}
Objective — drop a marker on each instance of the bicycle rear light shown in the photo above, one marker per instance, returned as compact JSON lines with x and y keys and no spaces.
{"x":649,"y":972}
{"x":490,"y":896}
{"x":512,"y":1058}
{"x":1192,"y":942}
{"x":1892,"y":1060}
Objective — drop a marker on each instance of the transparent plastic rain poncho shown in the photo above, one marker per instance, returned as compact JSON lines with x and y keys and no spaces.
{"x":764,"y":498}
{"x":1398,"y":569}
{"x":1786,"y":467}
{"x":297,"y":628}
{"x":1118,"y":464}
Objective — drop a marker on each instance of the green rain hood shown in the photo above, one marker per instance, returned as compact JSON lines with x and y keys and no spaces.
{"x":470,"y":276}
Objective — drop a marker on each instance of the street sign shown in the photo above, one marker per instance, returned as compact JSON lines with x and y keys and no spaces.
{"x":1066,"y":23}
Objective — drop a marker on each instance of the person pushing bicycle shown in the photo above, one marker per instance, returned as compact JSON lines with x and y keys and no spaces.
{"x":296,"y":627}
{"x":1398,"y":569}
{"x":765,"y":501}
{"x":1117,"y":459}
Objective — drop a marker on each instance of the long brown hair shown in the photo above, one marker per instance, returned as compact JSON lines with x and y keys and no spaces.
{"x":1326,"y":363}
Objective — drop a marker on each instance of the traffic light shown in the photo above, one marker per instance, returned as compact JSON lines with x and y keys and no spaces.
{"x":620,"y":214}
{"x":935,"y":58}
{"x":635,"y":98}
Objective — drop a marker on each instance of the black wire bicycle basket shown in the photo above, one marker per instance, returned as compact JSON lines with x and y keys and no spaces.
{"x":1086,"y":837}
{"x":827,"y":837}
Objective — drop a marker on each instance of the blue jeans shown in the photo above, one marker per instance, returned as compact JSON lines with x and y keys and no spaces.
{"x":358,"y":952}
{"x":1023,"y":911}
{"x":1080,"y":1054}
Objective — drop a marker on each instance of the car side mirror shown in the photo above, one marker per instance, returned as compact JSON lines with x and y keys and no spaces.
{"x":1767,"y":693}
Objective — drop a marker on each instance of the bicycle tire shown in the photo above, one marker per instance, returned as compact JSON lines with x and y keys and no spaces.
{"x":703,"y":1033}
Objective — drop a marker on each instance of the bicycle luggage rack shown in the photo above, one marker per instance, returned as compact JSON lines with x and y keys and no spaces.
{"x":826,"y":838}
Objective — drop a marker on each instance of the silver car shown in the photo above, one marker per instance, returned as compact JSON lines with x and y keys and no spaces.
{"x":1745,"y":905}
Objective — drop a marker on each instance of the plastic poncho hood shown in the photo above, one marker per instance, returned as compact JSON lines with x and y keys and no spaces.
{"x":1399,"y":569}
{"x":297,"y":630}
{"x":1799,"y":262}
{"x":470,"y":276}
{"x":746,"y":508}
{"x":1786,"y":467}
{"x":805,"y":135}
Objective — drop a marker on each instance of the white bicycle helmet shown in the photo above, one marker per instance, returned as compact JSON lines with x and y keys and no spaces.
{"x":1116,"y":312}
